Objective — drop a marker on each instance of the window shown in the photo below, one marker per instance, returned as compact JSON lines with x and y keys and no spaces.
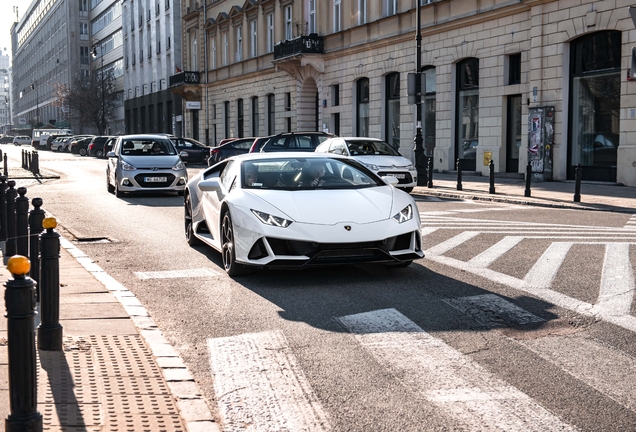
{"x":253,"y":39}
{"x":287,"y":101}
{"x":255,"y":116}
{"x":240,"y":119}
{"x":194,"y":61}
{"x":271,"y":112}
{"x":430,"y":98}
{"x":270,"y":33}
{"x":467,"y":121}
{"x":362,"y":12}
{"x":288,"y":23}
{"x":83,"y":7}
{"x":337,"y":15}
{"x":226,"y":106}
{"x":213,"y":53}
{"x":392,"y":125}
{"x":83,"y":31}
{"x":362,"y":107}
{"x":239,"y":44}
{"x":514,"y":69}
{"x":226,"y":49}
{"x":390,"y":7}
{"x":311,"y":22}
{"x":158,"y":36}
{"x":84,"y":59}
{"x":335,"y":95}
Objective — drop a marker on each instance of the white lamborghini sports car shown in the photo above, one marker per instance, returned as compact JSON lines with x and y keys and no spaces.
{"x":277,"y":210}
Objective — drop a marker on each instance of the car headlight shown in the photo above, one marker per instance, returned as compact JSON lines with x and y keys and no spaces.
{"x":410,"y":167}
{"x":269,"y":219}
{"x":405,"y":215}
{"x":179,"y":166}
{"x":126,"y":166}
{"x":371,"y":167}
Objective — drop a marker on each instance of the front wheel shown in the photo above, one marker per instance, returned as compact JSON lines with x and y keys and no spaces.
{"x":228,"y":254}
{"x":99,"y":153}
{"x":82,"y":152}
{"x":109,"y":187}
{"x":189,"y":228}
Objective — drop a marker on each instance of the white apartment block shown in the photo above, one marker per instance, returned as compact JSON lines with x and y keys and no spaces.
{"x":152,"y":53}
{"x":522,"y":83}
{"x":52,"y":44}
{"x":5,"y":99}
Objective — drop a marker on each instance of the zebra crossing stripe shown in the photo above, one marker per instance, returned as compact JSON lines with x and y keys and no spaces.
{"x":491,"y":254}
{"x":451,"y":243}
{"x":260,"y":387}
{"x":454,"y":383}
{"x":545,"y":269}
{"x":617,"y":281}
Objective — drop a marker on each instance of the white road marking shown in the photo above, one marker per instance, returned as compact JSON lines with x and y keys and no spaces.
{"x":491,"y":254}
{"x":260,"y":387}
{"x":617,"y":281}
{"x":545,"y":269}
{"x":490,"y":310}
{"x":451,"y":243}
{"x":461,"y":388}
{"x":172,"y":274}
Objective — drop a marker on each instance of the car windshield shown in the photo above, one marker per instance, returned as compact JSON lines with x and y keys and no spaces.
{"x":295,"y":173}
{"x":147,"y":147}
{"x":370,"y":148}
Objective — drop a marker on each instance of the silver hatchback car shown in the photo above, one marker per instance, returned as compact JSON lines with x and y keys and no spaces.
{"x":147,"y":163}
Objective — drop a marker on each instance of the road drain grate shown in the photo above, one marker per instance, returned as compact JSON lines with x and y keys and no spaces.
{"x":90,"y":240}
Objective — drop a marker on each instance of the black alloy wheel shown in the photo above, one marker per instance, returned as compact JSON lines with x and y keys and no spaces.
{"x":99,"y":153}
{"x":82,"y":152}
{"x":189,"y":229}
{"x":228,"y":254}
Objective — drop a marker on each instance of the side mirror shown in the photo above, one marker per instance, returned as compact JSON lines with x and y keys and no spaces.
{"x":210,"y":185}
{"x":111,"y":154}
{"x":183,"y":154}
{"x":390,"y":180}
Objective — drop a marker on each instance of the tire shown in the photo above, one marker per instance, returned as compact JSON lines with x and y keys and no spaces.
{"x":228,"y":254}
{"x":60,"y":149}
{"x":189,"y":233}
{"x":82,"y":152}
{"x":99,"y":154}
{"x":118,"y":193}
{"x":407,"y":189}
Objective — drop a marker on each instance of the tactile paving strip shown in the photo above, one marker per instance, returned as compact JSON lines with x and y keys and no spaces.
{"x":105,"y":383}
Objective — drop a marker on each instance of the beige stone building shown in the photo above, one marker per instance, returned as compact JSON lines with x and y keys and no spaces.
{"x":539,"y":83}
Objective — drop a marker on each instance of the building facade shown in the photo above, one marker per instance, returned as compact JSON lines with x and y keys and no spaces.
{"x":152,"y":53}
{"x":5,"y":93}
{"x":539,"y":83}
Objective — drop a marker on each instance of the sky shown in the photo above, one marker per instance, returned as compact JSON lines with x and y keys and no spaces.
{"x":7,"y":18}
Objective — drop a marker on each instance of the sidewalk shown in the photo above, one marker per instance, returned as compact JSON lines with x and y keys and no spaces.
{"x":555,"y":194}
{"x":117,"y":372}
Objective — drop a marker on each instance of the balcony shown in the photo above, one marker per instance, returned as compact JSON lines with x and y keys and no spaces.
{"x":186,"y":84}
{"x":312,"y":44}
{"x":304,"y":51}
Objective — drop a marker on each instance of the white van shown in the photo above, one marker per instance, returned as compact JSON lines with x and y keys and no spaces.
{"x":43,"y":140}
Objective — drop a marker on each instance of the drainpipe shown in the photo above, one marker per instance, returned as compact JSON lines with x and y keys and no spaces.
{"x":205,"y":67}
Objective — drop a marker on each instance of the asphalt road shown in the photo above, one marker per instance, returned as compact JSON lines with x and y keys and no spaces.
{"x":519,"y":318}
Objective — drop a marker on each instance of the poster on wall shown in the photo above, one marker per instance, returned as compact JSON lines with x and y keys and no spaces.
{"x":540,"y":142}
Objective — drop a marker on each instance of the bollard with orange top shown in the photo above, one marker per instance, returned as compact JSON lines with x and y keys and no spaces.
{"x":50,"y":330}
{"x":20,"y":304}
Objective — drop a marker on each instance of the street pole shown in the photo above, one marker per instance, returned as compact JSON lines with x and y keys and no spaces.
{"x":419,"y":149}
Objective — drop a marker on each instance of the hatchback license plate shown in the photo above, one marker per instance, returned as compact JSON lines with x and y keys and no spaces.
{"x":155,"y":179}
{"x":398,"y":176}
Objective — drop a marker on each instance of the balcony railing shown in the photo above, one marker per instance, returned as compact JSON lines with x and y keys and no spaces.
{"x":312,"y":44}
{"x":184,"y":78}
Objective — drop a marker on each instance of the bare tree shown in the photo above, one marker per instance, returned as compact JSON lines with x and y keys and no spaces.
{"x":91,"y":99}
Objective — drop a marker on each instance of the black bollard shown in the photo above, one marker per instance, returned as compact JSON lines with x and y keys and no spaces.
{"x":430,"y":172}
{"x":0,"y":154}
{"x":20,"y":303}
{"x":23,"y":163}
{"x":3,"y":208}
{"x":528,"y":179}
{"x":36,"y":216}
{"x":10,"y":246}
{"x":577,"y":183}
{"x":22,"y":222}
{"x":50,"y":330}
{"x":6,"y":166}
{"x":491,"y":168}
{"x":28,"y":161}
{"x":35,"y":167}
{"x":459,"y":174}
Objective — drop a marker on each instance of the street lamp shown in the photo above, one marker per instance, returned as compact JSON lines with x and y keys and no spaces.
{"x":34,"y":86}
{"x":420,"y":161}
{"x":101,"y":77}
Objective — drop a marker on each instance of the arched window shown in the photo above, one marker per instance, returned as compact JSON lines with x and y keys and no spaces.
{"x":362,"y":107}
{"x":430,"y":98}
{"x":392,"y":103}
{"x":467,"y":120}
{"x":595,"y":105}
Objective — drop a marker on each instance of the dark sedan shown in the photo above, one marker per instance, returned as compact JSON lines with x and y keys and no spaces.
{"x":197,"y":152}
{"x":232,"y":148}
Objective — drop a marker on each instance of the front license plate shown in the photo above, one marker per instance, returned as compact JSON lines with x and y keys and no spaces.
{"x":398,"y":176}
{"x":155,"y":179}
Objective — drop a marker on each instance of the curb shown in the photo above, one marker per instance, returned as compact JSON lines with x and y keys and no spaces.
{"x":193,"y":408}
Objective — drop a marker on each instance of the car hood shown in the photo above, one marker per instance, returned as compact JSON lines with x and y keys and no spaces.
{"x":384,"y":161}
{"x":329,"y":207}
{"x":141,"y":162}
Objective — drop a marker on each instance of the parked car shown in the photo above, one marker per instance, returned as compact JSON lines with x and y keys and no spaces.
{"x":6,"y":139}
{"x":377,"y":155}
{"x":293,"y":141}
{"x":21,"y":139}
{"x":108,"y":146}
{"x":230,"y":148}
{"x":80,"y":145}
{"x":61,"y":143}
{"x":258,"y":210}
{"x":197,"y":151}
{"x":96,"y":146}
{"x":134,"y":166}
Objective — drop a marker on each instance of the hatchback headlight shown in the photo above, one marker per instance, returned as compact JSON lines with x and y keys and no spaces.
{"x":269,"y":219}
{"x":179,"y":166}
{"x":405,"y":215}
{"x":410,"y":167}
{"x":371,"y":167}
{"x":126,"y":166}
